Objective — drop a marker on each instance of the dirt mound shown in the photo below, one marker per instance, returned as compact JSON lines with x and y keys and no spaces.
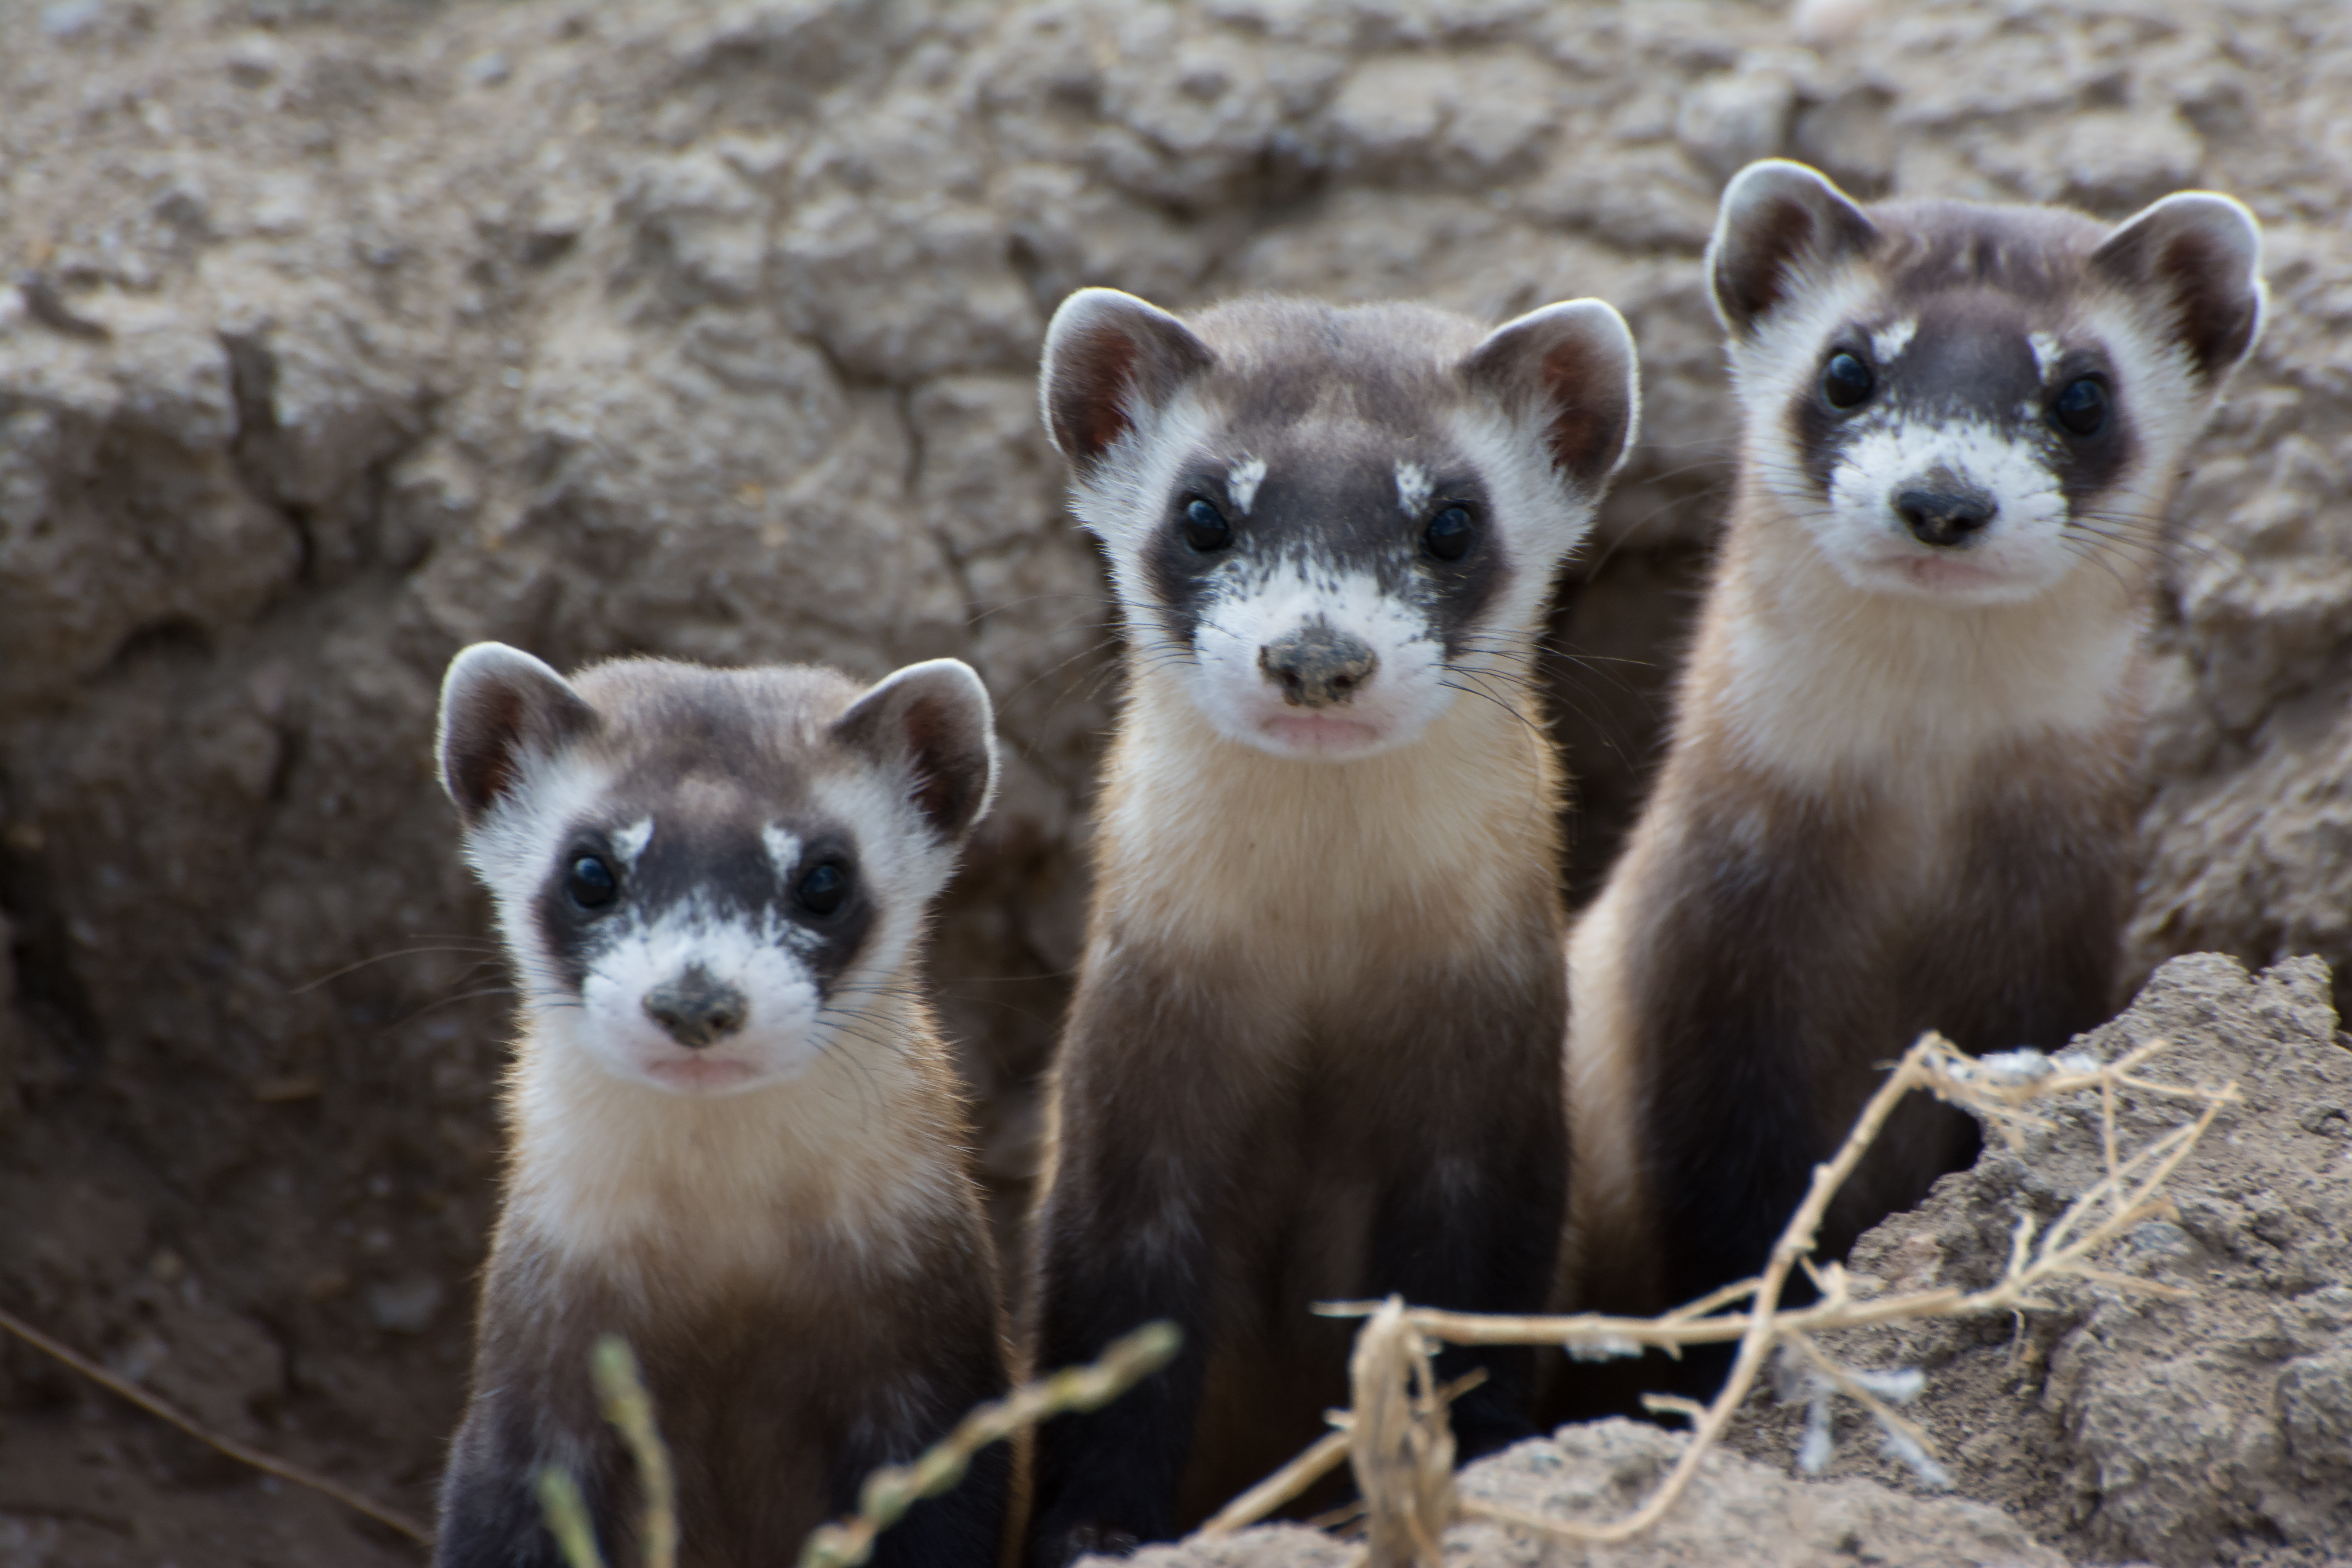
{"x":335,"y":336}
{"x":1737,"y":1514}
{"x":2213,"y":1426}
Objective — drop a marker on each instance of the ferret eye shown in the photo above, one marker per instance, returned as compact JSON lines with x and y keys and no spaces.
{"x":2081,"y":407}
{"x":591,"y":882}
{"x":823,"y":889}
{"x":1450,"y":534}
{"x":1846,"y":381}
{"x":1205,"y":528}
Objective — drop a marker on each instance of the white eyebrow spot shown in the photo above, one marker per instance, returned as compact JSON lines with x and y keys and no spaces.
{"x":1886,"y":344}
{"x":784,"y":848}
{"x":631,"y":841}
{"x":2046,"y":350}
{"x":1412,"y":487}
{"x":1242,"y":481}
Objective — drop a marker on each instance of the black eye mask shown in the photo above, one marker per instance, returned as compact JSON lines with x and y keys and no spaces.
{"x":592,"y":899}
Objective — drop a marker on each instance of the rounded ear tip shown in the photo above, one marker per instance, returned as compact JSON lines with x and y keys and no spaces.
{"x":939,"y":669}
{"x":1084,"y":304}
{"x":949,"y":677}
{"x":1598,"y":318}
{"x":953,"y":672}
{"x":1587,"y":308}
{"x":1078,"y":302}
{"x":2223,"y":215}
{"x":1605,"y":326}
{"x":482,"y":652}
{"x":1768,"y":175}
{"x":482,"y":658}
{"x":1604,"y":319}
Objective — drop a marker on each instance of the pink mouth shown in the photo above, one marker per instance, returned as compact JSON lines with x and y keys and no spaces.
{"x":699,"y":1075}
{"x":1320,"y":732}
{"x":1940,"y":575}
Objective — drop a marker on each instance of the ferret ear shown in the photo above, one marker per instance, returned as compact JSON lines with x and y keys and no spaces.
{"x":2201,"y":255}
{"x":1571,"y":368}
{"x":1777,"y":217}
{"x":933,"y":722}
{"x":497,"y":705}
{"x":1109,"y":358}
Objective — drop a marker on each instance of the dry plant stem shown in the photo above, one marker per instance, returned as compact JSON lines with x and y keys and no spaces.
{"x":891,"y":1490}
{"x":567,"y":1518}
{"x":1318,"y":1459}
{"x":1399,"y":1444}
{"x":1309,"y":1466}
{"x":2129,"y":1193}
{"x":1690,"y":1410}
{"x":1739,"y":1290}
{"x":629,"y":1407}
{"x":229,"y":1445}
{"x":1756,"y":1341}
{"x":2127,"y":1197}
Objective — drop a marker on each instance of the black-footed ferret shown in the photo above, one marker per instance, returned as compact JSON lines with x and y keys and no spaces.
{"x":1901,"y":785}
{"x":738,"y":1141}
{"x":1313,"y":1051}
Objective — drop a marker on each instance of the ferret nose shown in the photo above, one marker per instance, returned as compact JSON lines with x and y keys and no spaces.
{"x":1317,"y":666}
{"x":1943,"y":517}
{"x":695,"y":1008}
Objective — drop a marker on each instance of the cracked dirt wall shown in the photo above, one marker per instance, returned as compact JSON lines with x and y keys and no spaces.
{"x":337,"y":336}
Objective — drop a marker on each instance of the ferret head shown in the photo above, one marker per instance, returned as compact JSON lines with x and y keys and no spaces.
{"x":708,"y":878}
{"x":1968,"y":403}
{"x":1327,"y":523}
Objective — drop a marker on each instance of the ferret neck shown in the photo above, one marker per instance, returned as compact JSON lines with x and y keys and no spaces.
{"x":1811,"y":679}
{"x":629,"y":1179}
{"x":1210,"y":843}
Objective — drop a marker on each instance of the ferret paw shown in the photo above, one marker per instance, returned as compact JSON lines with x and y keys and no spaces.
{"x":1060,"y":1545}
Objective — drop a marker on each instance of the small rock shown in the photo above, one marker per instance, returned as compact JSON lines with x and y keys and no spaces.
{"x":255,"y":60}
{"x":69,"y":19}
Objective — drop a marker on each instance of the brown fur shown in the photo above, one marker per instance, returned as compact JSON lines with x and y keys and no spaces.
{"x":1284,"y":1085}
{"x":757,"y":1438}
{"x":775,"y":1392}
{"x":1993,"y":914}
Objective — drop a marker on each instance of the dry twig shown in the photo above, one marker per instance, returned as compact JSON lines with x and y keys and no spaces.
{"x":2000,"y":1088}
{"x":1399,"y":1443}
{"x":621,"y":1389}
{"x":241,"y":1452}
{"x":890,"y":1491}
{"x":1317,"y":1461}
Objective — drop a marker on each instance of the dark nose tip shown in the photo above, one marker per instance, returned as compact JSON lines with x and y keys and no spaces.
{"x":1317,"y":666}
{"x":1942,"y":517}
{"x":695,"y":1008}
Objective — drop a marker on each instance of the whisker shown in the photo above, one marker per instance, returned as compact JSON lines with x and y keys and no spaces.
{"x":304,"y":989}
